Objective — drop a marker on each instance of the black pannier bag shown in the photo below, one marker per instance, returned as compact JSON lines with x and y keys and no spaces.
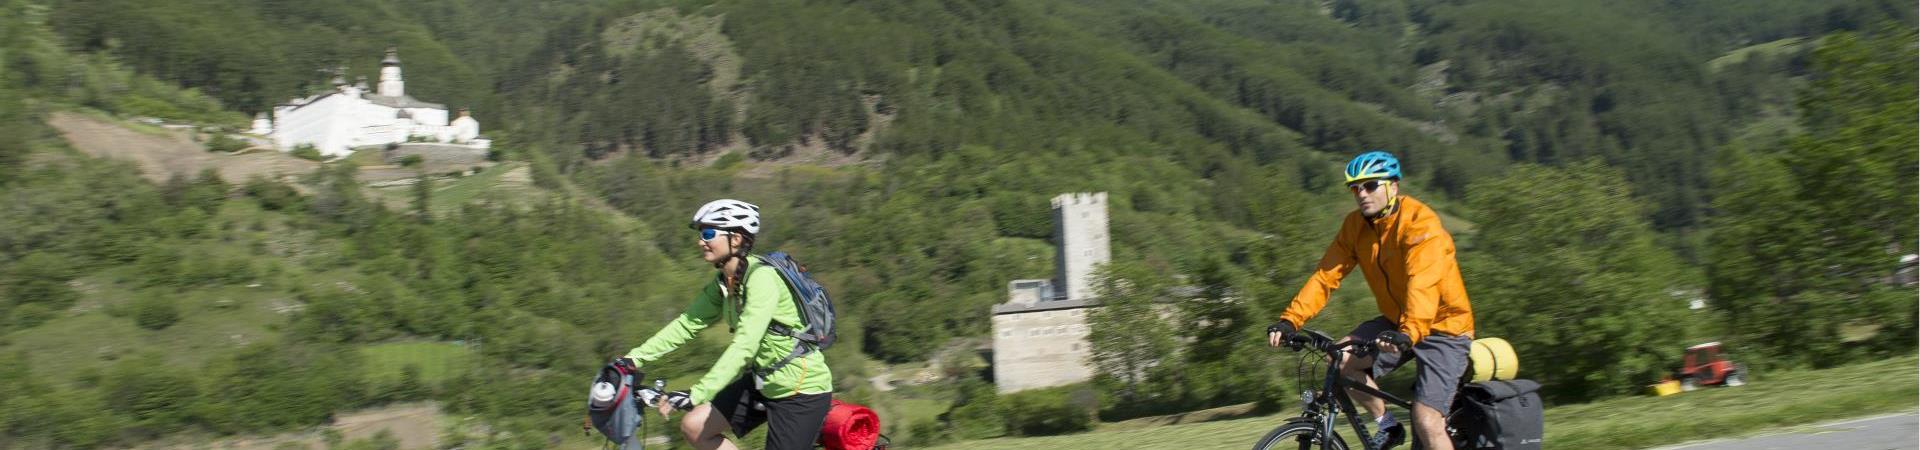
{"x":1504,"y":415}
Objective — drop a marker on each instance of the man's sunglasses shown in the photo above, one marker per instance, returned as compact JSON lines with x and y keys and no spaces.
{"x":707,"y":234}
{"x":1367,"y":186}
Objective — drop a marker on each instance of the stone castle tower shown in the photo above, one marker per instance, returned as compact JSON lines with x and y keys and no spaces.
{"x":1081,"y":244}
{"x":1040,"y":333}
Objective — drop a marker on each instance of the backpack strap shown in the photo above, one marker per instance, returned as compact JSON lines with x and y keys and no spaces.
{"x":780,"y":329}
{"x":800,"y":348}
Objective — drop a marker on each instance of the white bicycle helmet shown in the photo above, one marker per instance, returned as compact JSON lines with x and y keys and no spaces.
{"x":728,"y":214}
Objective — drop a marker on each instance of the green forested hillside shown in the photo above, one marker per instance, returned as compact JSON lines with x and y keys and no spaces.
{"x":907,"y":150}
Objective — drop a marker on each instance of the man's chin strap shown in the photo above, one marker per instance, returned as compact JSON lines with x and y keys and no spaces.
{"x":1393,"y":204}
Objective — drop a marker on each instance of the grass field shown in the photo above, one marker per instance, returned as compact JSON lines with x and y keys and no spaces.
{"x":1779,"y":47}
{"x":436,"y":360}
{"x":449,"y":195}
{"x":1769,"y":401}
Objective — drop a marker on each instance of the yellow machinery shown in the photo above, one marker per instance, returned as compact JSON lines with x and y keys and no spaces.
{"x":1666,"y":388}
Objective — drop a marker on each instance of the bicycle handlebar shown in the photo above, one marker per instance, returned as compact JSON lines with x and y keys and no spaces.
{"x":650,"y":396}
{"x":1311,"y":339}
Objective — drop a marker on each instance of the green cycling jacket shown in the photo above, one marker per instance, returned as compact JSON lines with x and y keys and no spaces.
{"x":768,"y":300}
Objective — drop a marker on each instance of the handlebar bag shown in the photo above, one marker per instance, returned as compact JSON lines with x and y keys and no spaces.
{"x":619,"y":420}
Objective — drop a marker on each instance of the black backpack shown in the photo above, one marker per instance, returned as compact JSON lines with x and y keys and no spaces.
{"x":1504,"y":415}
{"x":816,"y":333}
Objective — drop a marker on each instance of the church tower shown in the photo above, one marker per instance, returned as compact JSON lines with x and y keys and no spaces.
{"x":390,"y":83}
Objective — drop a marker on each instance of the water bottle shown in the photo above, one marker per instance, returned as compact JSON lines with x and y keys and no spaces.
{"x":602,"y":395}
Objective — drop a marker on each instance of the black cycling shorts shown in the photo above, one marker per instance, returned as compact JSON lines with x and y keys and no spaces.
{"x":793,"y":423}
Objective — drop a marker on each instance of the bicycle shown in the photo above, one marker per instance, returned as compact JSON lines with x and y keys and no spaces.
{"x":649,"y":397}
{"x":1315,"y":427}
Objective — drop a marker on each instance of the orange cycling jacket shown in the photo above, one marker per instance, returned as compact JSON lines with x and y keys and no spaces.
{"x":1408,"y":261}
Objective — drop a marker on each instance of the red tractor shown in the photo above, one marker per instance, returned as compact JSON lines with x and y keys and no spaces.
{"x":1706,"y":365}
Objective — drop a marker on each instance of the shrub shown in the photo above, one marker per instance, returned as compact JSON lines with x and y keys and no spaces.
{"x":39,"y":278}
{"x":155,"y":312}
{"x":729,"y":160}
{"x":223,"y":143}
{"x":411,"y":161}
{"x":157,"y":397}
{"x":977,"y":413}
{"x":929,"y":433}
{"x":307,"y":152}
{"x":273,"y":195}
{"x":30,"y":315}
{"x":1046,"y":412}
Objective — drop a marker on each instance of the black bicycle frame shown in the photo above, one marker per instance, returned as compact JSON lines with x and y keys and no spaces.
{"x":1335,"y":386}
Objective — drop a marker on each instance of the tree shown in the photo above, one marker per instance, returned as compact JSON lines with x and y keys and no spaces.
{"x":1566,"y":268}
{"x":1128,"y":333}
{"x":423,"y":199}
{"x":1808,"y":229}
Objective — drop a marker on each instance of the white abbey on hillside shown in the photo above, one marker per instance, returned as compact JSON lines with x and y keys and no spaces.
{"x":350,"y":117}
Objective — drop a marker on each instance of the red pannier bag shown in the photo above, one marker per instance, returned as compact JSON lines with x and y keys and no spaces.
{"x":850,"y":427}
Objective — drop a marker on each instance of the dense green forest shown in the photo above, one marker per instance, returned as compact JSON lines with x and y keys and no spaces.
{"x":1601,"y":162}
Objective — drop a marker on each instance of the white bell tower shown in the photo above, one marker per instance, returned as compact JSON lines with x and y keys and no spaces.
{"x":390,"y":83}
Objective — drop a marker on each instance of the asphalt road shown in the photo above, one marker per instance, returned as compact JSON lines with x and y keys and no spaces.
{"x":1888,"y":432}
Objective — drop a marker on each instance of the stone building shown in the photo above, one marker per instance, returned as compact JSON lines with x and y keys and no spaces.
{"x":1080,"y":226}
{"x":353,"y":116}
{"x":1040,"y":333}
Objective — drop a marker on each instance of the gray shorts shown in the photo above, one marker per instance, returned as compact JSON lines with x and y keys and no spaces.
{"x":1443,"y":360}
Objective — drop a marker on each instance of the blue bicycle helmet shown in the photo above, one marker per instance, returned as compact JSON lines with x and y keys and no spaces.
{"x":1371,"y":165}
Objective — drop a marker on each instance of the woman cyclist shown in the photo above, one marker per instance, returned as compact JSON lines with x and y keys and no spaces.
{"x":752,"y":299}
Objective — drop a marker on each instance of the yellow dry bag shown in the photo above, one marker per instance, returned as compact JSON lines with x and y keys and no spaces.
{"x":1493,"y":359}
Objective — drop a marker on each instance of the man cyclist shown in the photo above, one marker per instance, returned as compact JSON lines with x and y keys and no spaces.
{"x":1408,"y":260}
{"x":751,"y":298}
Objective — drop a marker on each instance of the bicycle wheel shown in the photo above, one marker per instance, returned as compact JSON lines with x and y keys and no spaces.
{"x":1298,"y":436}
